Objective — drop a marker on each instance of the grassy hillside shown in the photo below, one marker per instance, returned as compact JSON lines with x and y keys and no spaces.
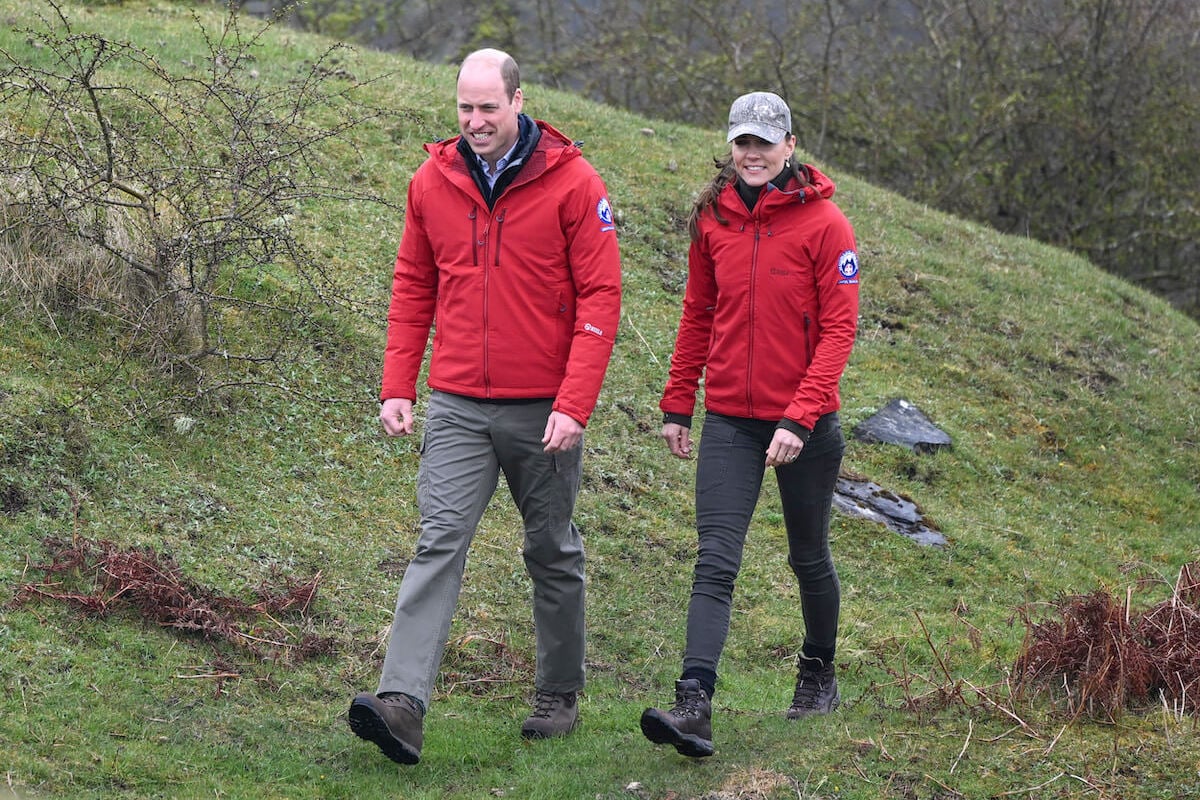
{"x":1071,"y":398}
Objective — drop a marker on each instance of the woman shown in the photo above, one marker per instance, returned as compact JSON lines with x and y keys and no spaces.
{"x":769,"y":319}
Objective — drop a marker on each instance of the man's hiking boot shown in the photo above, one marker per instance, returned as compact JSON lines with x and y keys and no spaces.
{"x":816,"y":689}
{"x":687,"y":726}
{"x":392,"y":721}
{"x":554,"y":714}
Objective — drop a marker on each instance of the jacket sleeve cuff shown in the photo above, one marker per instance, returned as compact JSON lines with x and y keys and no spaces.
{"x":796,"y":428}
{"x":679,"y":419}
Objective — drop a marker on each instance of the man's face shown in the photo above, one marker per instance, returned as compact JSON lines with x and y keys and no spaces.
{"x":487,"y":119}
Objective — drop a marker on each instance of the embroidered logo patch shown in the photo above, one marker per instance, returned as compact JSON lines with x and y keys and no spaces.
{"x":848,"y":267}
{"x":604,"y":212}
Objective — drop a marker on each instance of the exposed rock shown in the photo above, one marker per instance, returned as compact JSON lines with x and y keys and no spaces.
{"x":900,"y":422}
{"x":859,"y":497}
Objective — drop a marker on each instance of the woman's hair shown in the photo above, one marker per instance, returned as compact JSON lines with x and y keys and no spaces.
{"x":707,"y":198}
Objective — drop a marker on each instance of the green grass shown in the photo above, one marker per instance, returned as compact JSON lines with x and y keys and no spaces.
{"x":1071,"y":398}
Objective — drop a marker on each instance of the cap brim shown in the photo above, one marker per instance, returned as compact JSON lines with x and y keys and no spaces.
{"x":767,"y":133}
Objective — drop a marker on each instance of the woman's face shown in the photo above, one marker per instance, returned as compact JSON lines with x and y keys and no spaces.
{"x":757,"y":161}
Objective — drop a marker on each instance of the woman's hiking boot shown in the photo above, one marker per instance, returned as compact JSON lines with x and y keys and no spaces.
{"x":393,"y":721}
{"x":554,"y":714}
{"x":816,"y":688}
{"x":687,"y":726}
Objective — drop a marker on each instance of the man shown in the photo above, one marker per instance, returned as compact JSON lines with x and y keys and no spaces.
{"x":509,"y":243}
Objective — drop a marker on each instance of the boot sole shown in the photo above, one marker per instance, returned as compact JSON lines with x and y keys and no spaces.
{"x":530,"y":730}
{"x":659,"y":730}
{"x":367,"y":724}
{"x":538,"y":733}
{"x":794,"y":714}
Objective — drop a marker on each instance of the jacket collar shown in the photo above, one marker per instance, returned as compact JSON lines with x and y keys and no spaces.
{"x":540,"y":147}
{"x":774,"y":195}
{"x":528,"y":136}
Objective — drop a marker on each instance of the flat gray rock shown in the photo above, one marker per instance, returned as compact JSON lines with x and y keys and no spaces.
{"x":900,"y":422}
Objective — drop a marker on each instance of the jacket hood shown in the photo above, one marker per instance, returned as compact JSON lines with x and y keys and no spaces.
{"x":822,"y":185}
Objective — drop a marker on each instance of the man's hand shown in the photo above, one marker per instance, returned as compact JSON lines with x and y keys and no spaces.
{"x":396,"y":416}
{"x":562,"y":433}
{"x":678,"y":438}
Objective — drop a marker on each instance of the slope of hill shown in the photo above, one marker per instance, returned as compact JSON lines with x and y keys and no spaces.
{"x":1071,"y":398}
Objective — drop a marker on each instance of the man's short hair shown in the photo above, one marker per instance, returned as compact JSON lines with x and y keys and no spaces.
{"x":510,"y":73}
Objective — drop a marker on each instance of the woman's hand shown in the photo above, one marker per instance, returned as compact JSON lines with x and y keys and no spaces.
{"x":785,"y":448}
{"x":678,"y":438}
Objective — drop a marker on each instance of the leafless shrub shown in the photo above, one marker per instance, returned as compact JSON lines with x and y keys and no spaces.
{"x":158,"y":196}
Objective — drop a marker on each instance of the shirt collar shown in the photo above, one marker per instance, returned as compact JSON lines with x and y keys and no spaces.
{"x":501,"y":162}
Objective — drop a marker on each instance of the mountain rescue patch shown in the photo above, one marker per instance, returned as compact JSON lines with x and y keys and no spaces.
{"x":848,"y":267}
{"x":604,"y":212}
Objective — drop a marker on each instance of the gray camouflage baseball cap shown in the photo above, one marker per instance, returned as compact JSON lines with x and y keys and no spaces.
{"x":761,"y":114}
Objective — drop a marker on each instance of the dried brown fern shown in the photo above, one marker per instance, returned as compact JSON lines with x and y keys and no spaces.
{"x":101,"y":578}
{"x":1108,"y":658}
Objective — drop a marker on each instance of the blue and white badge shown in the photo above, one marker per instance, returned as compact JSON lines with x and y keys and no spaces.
{"x":848,"y":267}
{"x":604,"y":212}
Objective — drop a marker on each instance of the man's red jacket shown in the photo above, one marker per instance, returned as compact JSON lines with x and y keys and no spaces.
{"x":524,"y":297}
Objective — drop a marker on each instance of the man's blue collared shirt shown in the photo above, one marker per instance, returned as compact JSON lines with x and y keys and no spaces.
{"x":501,"y":164}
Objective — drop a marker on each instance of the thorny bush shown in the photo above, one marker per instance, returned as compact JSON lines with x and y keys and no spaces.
{"x":174,"y":189}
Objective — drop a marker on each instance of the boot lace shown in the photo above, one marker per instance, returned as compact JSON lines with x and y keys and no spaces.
{"x":810,"y":683}
{"x":401,"y":700}
{"x":687,"y":703}
{"x":544,"y":704}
